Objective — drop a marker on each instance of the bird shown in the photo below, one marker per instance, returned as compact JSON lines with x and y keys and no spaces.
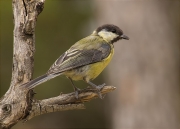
{"x":84,"y":60}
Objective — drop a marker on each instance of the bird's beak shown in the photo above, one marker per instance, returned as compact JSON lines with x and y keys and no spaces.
{"x":124,"y":37}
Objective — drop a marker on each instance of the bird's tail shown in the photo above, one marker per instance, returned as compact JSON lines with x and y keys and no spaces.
{"x":33,"y":83}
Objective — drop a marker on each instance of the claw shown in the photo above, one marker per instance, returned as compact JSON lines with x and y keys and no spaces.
{"x":77,"y":92}
{"x":99,"y":87}
{"x":100,"y":95}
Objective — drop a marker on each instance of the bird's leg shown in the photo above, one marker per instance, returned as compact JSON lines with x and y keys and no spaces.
{"x":75,"y":88}
{"x":98,"y":88}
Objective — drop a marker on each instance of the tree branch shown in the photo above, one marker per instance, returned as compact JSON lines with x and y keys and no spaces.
{"x":65,"y":102}
{"x":15,"y":104}
{"x":18,"y":104}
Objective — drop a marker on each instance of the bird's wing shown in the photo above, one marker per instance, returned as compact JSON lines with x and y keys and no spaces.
{"x":74,"y":58}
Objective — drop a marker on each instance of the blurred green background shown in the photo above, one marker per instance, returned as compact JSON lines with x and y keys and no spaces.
{"x":145,"y":69}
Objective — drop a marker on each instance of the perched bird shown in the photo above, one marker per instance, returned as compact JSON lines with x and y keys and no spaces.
{"x":86,"y":59}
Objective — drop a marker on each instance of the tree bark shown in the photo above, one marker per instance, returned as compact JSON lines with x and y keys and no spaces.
{"x":17,"y":104}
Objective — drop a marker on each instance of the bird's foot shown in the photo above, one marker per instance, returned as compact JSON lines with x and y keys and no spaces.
{"x":99,"y":88}
{"x":77,"y":90}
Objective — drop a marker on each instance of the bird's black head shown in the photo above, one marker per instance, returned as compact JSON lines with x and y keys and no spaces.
{"x":111,"y":32}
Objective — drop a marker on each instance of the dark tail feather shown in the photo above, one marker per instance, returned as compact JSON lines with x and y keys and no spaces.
{"x":37,"y":81}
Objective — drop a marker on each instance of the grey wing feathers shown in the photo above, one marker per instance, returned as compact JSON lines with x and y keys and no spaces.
{"x":77,"y":58}
{"x":58,"y":61}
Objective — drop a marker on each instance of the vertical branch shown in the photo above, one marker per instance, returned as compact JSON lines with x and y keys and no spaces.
{"x":15,"y":104}
{"x":25,"y":7}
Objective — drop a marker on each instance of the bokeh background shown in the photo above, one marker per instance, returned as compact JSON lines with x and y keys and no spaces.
{"x":145,"y":69}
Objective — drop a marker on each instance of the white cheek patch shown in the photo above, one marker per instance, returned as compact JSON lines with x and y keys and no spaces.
{"x":108,"y":36}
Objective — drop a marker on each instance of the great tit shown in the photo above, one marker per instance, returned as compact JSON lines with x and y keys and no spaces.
{"x":86,"y":59}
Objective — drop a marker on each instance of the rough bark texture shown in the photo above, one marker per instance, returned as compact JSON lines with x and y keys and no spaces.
{"x":65,"y":102}
{"x":15,"y":103}
{"x":18,"y":104}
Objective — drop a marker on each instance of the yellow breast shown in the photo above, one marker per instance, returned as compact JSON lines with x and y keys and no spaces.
{"x":97,"y":68}
{"x":91,"y":71}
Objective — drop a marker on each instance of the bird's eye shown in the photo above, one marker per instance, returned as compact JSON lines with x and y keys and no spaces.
{"x":114,"y":31}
